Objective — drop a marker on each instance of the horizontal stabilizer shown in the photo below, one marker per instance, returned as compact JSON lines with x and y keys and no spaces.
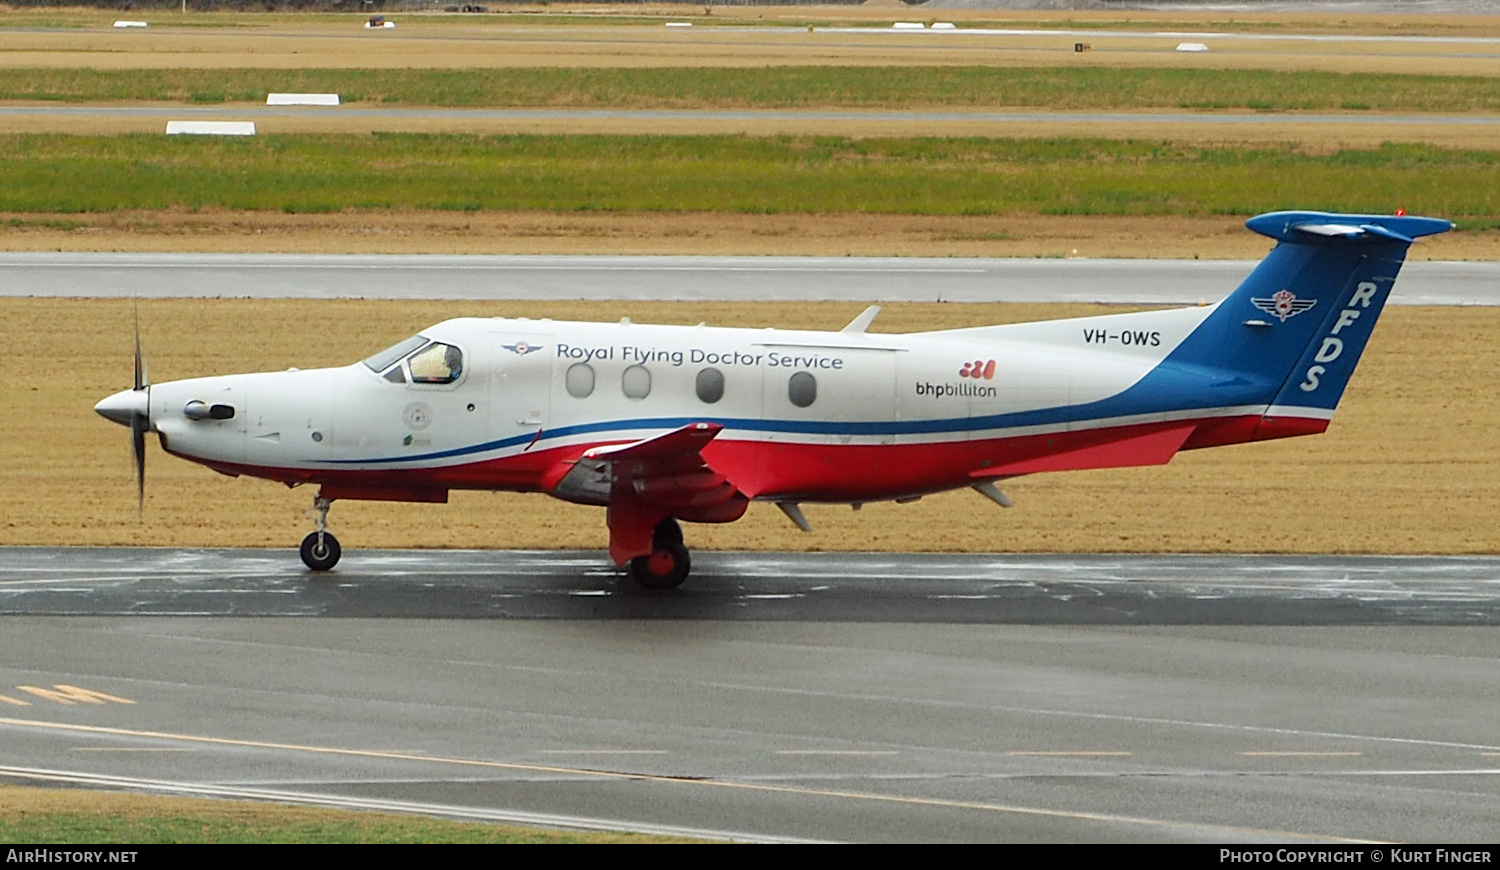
{"x":1299,"y":226}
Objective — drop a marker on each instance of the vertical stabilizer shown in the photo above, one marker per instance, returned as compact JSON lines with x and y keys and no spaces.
{"x":1290,"y":336}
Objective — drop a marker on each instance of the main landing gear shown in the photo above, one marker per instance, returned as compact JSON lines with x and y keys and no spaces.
{"x":320,"y":550}
{"x":665,"y":567}
{"x":668,"y":563}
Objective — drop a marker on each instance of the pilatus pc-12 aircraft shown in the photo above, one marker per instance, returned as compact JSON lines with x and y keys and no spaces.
{"x":668,"y":424}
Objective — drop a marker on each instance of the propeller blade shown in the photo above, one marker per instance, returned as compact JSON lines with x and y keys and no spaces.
{"x":142,"y":377}
{"x":138,"y":424}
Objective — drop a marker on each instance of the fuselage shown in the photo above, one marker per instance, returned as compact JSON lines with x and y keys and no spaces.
{"x":821,"y":416}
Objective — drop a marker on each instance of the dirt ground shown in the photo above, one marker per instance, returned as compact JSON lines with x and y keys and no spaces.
{"x":1410,"y":465}
{"x":1208,"y":237}
{"x":63,"y":814}
{"x":1314,"y":135}
{"x":283,"y":42}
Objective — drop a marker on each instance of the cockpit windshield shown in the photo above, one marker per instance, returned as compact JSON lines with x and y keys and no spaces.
{"x":429,"y":362}
{"x":380,"y":361}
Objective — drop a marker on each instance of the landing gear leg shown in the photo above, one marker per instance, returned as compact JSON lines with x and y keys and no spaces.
{"x":320,"y":550}
{"x":668,"y":563}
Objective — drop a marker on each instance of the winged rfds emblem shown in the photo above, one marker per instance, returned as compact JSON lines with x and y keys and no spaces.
{"x":1282,"y":304}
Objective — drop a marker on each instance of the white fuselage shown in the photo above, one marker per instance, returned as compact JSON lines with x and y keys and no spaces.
{"x":536,"y":392}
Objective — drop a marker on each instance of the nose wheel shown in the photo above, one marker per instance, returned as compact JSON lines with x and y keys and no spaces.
{"x":320,"y":549}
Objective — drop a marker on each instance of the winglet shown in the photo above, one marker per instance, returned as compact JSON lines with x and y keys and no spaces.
{"x":858,"y":325}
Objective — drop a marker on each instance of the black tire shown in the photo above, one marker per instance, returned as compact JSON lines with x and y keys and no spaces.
{"x":321,"y":555}
{"x":667,"y":534}
{"x":665,"y":568}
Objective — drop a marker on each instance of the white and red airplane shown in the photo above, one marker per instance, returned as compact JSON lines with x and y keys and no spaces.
{"x":660,"y":424}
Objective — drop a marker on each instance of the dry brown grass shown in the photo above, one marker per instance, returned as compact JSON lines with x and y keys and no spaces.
{"x":597,"y":47}
{"x":1314,"y":135}
{"x":18,"y":800}
{"x":63,"y":816}
{"x":1207,"y":237}
{"x":510,"y":41}
{"x":1409,"y":466}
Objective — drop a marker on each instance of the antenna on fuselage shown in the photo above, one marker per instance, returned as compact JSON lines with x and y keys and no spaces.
{"x":794,"y":513}
{"x":992,"y":492}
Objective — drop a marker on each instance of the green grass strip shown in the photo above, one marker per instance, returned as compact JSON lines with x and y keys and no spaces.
{"x":802,"y":174}
{"x":783,"y":87}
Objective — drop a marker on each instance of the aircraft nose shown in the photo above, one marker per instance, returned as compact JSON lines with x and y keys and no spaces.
{"x":124,"y":406}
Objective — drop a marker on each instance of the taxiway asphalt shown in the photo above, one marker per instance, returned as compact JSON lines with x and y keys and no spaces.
{"x":805,"y":587}
{"x":771,"y":279}
{"x":780,"y":697}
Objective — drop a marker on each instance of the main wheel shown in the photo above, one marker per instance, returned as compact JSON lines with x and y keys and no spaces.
{"x":321,"y":551}
{"x":665,"y":568}
{"x":667,"y":533}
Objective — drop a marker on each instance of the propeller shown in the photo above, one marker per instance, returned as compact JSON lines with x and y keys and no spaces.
{"x":140,"y":421}
{"x":133,"y":408}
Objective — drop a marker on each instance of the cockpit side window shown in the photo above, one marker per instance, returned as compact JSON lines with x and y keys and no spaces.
{"x":381,"y":361}
{"x":437,"y":363}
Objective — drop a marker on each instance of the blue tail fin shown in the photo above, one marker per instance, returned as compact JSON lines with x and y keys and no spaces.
{"x":1290,"y":336}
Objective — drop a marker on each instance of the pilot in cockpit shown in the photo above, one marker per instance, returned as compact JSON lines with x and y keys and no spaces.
{"x":437,"y":364}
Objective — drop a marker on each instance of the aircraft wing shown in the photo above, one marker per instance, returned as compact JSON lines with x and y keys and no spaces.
{"x":671,"y":447}
{"x":645,"y":482}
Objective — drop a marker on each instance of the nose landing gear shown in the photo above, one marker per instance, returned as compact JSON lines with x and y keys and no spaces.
{"x":320,"y":549}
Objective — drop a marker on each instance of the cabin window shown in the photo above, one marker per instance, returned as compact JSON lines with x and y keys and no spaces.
{"x":437,"y":363}
{"x":636,"y":382}
{"x":710,"y":386}
{"x":580,"y":380}
{"x":397,"y":375}
{"x":802,"y":389}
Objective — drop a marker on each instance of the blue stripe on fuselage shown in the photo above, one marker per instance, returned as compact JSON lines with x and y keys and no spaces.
{"x":1153,"y":394}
